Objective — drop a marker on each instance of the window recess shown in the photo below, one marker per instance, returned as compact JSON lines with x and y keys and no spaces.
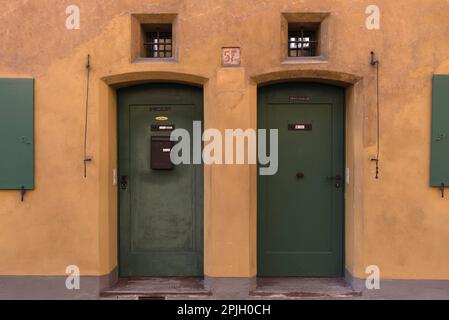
{"x":154,"y":38}
{"x":305,"y":37}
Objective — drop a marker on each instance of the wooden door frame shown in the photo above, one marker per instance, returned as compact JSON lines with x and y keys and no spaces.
{"x":108,"y":159}
{"x":192,"y":94}
{"x":316,"y":100}
{"x":355,"y":142}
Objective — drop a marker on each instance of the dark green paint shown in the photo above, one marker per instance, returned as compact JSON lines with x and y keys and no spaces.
{"x":16,"y":134}
{"x":301,"y":219}
{"x":439,"y":167}
{"x":161,"y":212}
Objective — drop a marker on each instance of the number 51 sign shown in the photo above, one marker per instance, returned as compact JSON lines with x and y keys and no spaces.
{"x":231,"y":57}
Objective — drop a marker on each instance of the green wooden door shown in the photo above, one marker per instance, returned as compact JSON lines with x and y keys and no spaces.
{"x":161,"y":211}
{"x":301,"y":208}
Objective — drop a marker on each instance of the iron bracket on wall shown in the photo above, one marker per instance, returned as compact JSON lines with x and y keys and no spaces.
{"x":86,"y":159}
{"x":375,"y":63}
{"x":22,"y":194}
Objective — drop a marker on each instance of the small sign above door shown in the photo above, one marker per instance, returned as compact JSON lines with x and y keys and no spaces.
{"x":299,"y":99}
{"x":160,"y":109}
{"x":300,"y":127}
{"x":163,"y":127}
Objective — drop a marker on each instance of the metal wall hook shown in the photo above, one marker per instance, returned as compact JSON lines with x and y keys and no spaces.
{"x":88,"y":62}
{"x":22,"y":194}
{"x":373,"y":59}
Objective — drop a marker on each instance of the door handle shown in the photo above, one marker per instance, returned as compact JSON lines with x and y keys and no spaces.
{"x":124,"y":182}
{"x":338,"y":178}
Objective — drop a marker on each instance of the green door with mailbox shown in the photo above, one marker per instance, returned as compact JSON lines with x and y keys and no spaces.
{"x":161,"y":205}
{"x":301,"y":208}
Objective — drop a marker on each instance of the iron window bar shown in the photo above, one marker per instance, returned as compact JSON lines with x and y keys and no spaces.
{"x":159,"y":44}
{"x":302,"y":43}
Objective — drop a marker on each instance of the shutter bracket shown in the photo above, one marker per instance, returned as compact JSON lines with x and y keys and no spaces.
{"x":22,"y":194}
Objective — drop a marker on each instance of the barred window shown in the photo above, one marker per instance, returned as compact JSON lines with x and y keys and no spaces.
{"x":302,"y":40}
{"x":158,"y":41}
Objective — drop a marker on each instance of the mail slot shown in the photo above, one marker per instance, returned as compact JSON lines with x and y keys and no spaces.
{"x":160,"y":153}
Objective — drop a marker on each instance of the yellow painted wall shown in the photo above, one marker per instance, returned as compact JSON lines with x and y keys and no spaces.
{"x":397,"y":222}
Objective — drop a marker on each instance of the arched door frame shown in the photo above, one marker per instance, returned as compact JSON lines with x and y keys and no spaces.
{"x":354,"y":156}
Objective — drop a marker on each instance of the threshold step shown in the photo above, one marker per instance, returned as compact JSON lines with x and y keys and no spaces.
{"x":156,"y":288}
{"x":303,"y":288}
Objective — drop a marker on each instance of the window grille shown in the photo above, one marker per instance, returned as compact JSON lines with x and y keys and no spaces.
{"x":302,"y":43}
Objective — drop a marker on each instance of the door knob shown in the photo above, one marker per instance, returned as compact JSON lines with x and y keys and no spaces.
{"x":338,"y":178}
{"x":300,"y":175}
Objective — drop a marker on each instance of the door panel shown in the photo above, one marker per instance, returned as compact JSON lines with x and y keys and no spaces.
{"x":300,"y":215}
{"x":161,"y":211}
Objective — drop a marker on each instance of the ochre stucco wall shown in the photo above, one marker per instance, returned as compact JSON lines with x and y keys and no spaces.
{"x":397,"y":222}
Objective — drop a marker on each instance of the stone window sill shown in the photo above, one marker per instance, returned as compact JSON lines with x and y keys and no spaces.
{"x":155,"y":61}
{"x":305,"y":60}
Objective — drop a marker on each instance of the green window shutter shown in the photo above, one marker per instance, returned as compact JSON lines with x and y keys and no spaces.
{"x":439,"y":167}
{"x":16,"y":134}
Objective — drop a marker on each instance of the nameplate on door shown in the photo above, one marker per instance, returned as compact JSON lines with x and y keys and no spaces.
{"x":162,"y":127}
{"x":300,"y":127}
{"x":299,"y":99}
{"x":160,"y":109}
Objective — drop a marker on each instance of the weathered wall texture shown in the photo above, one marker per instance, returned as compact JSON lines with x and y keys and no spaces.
{"x":397,"y":222}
